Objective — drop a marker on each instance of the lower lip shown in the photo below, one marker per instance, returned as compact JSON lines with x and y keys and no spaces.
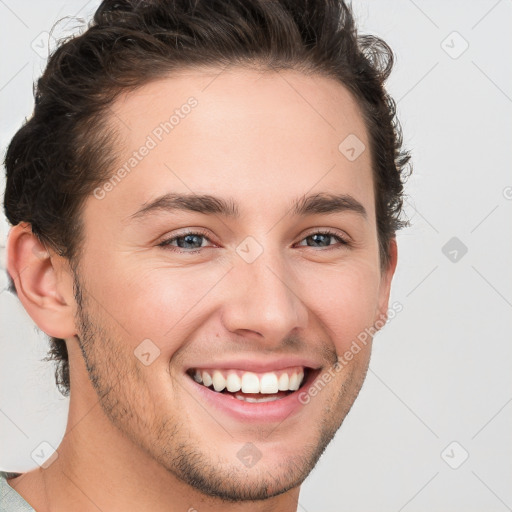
{"x":264,"y":412}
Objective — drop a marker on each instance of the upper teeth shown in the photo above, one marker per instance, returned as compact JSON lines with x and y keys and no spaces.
{"x":249,"y":382}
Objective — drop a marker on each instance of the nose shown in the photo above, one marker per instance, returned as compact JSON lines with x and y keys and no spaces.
{"x":263,"y":301}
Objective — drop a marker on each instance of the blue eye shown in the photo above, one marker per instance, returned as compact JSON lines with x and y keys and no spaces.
{"x":184,"y":241}
{"x":326,"y":235}
{"x":191,"y":242}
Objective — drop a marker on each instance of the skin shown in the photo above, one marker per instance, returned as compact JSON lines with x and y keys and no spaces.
{"x":135,"y":435}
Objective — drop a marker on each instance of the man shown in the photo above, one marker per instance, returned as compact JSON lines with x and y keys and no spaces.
{"x":204,"y":206}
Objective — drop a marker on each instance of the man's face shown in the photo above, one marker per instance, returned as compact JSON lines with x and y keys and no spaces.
{"x":258,"y":299}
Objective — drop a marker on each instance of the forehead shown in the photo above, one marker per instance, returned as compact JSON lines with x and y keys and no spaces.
{"x":239,"y":132}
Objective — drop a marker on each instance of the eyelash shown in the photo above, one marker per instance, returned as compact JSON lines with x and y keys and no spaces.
{"x":167,"y":242}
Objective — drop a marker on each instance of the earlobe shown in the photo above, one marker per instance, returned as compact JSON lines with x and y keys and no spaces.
{"x":386,"y":278}
{"x":41,"y":282}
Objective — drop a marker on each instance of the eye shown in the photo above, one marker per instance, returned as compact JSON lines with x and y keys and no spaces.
{"x":323,"y":237}
{"x":189,"y":240}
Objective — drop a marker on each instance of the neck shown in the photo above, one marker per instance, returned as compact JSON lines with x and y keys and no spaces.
{"x":98,"y":467}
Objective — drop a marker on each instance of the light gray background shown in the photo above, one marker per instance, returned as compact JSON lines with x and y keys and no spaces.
{"x":440,"y":371}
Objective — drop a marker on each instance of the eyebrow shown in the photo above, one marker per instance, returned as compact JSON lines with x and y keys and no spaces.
{"x":321,"y":203}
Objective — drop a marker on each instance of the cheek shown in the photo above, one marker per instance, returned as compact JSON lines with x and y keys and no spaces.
{"x":165,"y":303}
{"x":158,"y":302}
{"x":345,"y":300}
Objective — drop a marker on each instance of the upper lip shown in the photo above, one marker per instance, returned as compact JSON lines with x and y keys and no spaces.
{"x":257,"y":366}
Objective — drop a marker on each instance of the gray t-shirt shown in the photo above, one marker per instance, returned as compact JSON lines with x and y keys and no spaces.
{"x":10,"y":500}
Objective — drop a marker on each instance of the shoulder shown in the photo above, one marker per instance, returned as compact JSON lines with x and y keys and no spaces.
{"x":10,"y":499}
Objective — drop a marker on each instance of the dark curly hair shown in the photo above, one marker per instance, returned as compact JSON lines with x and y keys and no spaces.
{"x":67,"y":148}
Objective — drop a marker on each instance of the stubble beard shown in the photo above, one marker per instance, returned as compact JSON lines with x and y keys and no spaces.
{"x":164,"y":439}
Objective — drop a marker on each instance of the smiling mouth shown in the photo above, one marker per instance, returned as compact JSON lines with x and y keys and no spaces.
{"x":250,"y":386}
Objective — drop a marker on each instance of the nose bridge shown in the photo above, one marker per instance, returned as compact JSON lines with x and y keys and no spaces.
{"x":262,"y":297}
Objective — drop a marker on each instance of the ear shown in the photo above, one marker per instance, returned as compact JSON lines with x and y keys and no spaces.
{"x":43,"y":283}
{"x":385,"y":282}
